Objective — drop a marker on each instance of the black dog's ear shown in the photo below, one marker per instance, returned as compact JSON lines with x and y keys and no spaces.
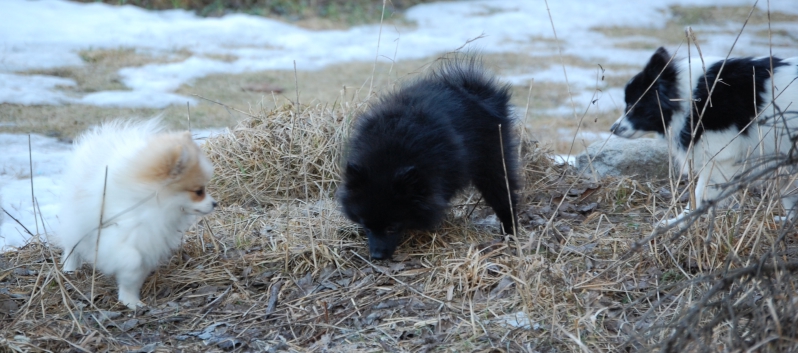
{"x":355,"y":175}
{"x":657,"y":63}
{"x":407,"y":181}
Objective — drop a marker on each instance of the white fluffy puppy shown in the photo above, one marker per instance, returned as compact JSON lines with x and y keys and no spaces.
{"x":155,"y":190}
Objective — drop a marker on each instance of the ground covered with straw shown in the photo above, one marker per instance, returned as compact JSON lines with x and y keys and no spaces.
{"x":278,"y":268}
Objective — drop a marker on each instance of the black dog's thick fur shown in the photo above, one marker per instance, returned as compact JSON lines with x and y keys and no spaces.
{"x":413,"y":150}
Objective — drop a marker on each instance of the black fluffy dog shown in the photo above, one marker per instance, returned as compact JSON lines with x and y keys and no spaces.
{"x":419,"y":145}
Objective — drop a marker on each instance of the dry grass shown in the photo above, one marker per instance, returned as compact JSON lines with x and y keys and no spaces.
{"x":67,"y":121}
{"x":280,"y":155}
{"x":681,"y":16}
{"x":278,"y":268}
{"x":350,"y":81}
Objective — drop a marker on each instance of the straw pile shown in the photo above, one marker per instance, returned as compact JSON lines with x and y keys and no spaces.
{"x":279,"y":155}
{"x":586,"y":272}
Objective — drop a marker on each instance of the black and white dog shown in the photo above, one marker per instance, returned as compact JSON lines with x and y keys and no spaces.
{"x":740,"y":121}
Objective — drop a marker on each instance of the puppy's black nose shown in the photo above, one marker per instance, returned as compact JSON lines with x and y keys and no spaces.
{"x":214,"y":204}
{"x":378,"y":255}
{"x":381,"y":254}
{"x":616,"y":128}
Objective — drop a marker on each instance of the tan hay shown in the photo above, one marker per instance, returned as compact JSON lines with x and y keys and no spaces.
{"x":292,"y":276}
{"x":279,"y":156}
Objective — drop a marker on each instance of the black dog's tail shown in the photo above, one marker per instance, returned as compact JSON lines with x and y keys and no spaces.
{"x":466,"y":73}
{"x":482,"y":105}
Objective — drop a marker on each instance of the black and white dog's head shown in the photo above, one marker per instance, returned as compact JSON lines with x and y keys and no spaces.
{"x":649,"y":97}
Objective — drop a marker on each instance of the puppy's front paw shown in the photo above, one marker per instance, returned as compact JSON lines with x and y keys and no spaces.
{"x":138,"y":304}
{"x":667,"y":222}
{"x":131,"y":300}
{"x":71,"y":264}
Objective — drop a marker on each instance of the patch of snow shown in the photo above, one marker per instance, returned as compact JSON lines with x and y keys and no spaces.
{"x":51,"y":33}
{"x":32,"y":89}
{"x":135,"y":99}
{"x":577,"y":76}
{"x":48,"y":156}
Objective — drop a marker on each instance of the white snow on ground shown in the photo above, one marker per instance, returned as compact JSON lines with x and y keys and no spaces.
{"x":32,"y":89}
{"x":47,"y":34}
{"x":48,"y":162}
{"x":50,"y":33}
{"x":578,"y":77}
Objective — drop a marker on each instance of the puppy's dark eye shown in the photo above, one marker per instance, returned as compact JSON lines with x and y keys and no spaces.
{"x":200,"y":191}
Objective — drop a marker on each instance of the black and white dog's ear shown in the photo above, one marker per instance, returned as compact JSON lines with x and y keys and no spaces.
{"x":657,"y":63}
{"x":663,"y":53}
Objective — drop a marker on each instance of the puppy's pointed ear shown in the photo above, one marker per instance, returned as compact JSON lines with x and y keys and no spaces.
{"x":181,"y":157}
{"x":408,"y":181}
{"x":657,"y":63}
{"x":355,"y":175}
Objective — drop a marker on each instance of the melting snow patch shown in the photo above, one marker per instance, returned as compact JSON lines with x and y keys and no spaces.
{"x":51,"y":33}
{"x":32,"y":89}
{"x":135,"y":99}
